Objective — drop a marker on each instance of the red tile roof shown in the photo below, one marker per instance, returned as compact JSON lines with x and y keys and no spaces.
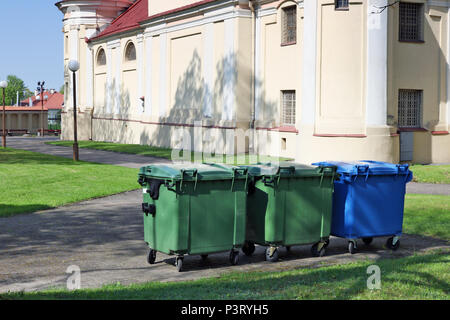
{"x":137,"y":13}
{"x":54,"y":101}
{"x":128,"y":20}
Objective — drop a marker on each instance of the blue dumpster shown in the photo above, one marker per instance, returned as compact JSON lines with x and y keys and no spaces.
{"x":368,"y":201}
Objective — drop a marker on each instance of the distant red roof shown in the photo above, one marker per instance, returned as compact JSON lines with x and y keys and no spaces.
{"x":137,"y":13}
{"x":54,"y":101}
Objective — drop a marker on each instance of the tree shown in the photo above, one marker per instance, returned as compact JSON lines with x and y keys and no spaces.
{"x":15,"y":85}
{"x":61,"y":90}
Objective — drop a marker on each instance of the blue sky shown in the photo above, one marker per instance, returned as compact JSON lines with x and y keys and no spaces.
{"x":31,"y":42}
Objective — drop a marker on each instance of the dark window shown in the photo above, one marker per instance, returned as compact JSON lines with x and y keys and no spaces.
{"x":130,"y":52}
{"x":101,"y":58}
{"x":341,"y":4}
{"x":410,"y":108}
{"x":411,"y":21}
{"x":288,"y":107}
{"x":289,"y":28}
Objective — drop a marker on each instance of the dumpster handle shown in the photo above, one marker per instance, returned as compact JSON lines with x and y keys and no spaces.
{"x":170,"y":186}
{"x":291,"y":170}
{"x":194,"y":173}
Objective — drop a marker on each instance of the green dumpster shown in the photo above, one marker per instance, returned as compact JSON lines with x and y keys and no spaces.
{"x":289,"y":204}
{"x":194,"y":209}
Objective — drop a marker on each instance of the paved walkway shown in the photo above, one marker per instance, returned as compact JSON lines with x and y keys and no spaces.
{"x":104,"y":237}
{"x":115,"y":158}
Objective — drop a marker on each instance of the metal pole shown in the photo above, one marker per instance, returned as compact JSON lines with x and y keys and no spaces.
{"x":3,"y":122}
{"x":75,"y":139}
{"x":42,"y":110}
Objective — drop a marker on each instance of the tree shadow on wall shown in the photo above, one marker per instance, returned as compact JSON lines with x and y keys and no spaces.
{"x":187,"y":105}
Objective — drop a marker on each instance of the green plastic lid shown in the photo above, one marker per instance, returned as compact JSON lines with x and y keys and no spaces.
{"x":192,"y":171}
{"x":287,"y":169}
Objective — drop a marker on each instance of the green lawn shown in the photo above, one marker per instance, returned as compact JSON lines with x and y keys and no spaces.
{"x":431,"y":174}
{"x":32,"y":181}
{"x":416,"y":277}
{"x":427,"y":215}
{"x":163,"y":152}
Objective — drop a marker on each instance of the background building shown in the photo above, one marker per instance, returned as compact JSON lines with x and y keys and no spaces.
{"x":315,"y":80}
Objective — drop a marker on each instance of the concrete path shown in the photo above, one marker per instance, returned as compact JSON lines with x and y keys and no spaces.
{"x":428,"y":188}
{"x":104,"y":237}
{"x":107,"y":157}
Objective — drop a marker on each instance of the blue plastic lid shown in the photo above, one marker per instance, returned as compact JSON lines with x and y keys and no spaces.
{"x":368,"y":167}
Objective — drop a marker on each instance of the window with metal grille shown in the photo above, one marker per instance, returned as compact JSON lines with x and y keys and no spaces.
{"x":410,"y":108}
{"x":288,"y":107}
{"x":130,"y":52}
{"x":289,"y":28}
{"x":101,"y":58}
{"x":411,"y":21}
{"x":341,"y":4}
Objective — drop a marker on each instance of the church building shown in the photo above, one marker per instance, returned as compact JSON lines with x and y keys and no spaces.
{"x":312,"y":80}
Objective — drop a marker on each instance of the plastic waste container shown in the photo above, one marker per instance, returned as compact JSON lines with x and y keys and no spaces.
{"x":368,"y":201}
{"x":288,"y":204}
{"x":194,"y":209}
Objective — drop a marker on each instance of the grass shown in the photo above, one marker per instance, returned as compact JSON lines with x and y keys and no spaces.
{"x":32,"y":181}
{"x":427,"y":215}
{"x":431,"y":174}
{"x":422,"y":276}
{"x":165,"y":153}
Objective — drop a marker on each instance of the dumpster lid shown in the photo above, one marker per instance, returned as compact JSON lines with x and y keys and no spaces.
{"x":284,"y":168}
{"x":192,"y":171}
{"x":367,"y":167}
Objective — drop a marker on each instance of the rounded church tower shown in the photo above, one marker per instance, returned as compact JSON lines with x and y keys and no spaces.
{"x":82,"y":20}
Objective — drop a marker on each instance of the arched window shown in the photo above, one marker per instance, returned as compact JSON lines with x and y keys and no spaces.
{"x":130,"y":52}
{"x":101,"y":57}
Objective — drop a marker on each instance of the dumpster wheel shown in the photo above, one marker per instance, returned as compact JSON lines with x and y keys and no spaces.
{"x":390,"y":243}
{"x":234,"y":257}
{"x":249,"y":248}
{"x":272,"y":254}
{"x":316,"y":252}
{"x":179,"y":263}
{"x":151,"y":257}
{"x":352,"y":246}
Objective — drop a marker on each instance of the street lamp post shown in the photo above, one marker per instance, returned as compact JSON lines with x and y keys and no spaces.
{"x":3,"y":85}
{"x":74,"y":66}
{"x":41,"y":89}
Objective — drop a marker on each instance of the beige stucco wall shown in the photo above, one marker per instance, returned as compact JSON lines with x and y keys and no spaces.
{"x":341,"y":61}
{"x":176,"y":93}
{"x":422,"y":66}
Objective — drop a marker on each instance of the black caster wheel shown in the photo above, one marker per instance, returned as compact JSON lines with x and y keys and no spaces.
{"x":367,"y":241}
{"x":248,"y":248}
{"x":351,"y":247}
{"x":390,"y":243}
{"x":272,"y":254}
{"x":151,"y":257}
{"x":315,"y":252}
{"x":179,"y":263}
{"x":204,"y":257}
{"x":234,"y":257}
